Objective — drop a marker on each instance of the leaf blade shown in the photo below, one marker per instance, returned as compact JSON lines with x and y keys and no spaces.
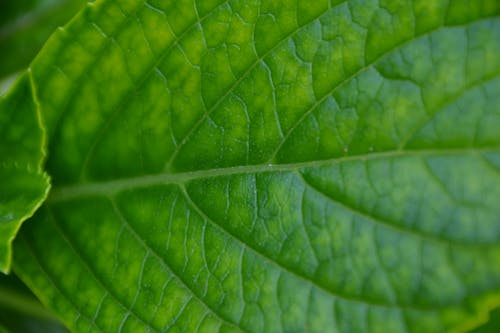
{"x":24,"y":184}
{"x":352,"y":216}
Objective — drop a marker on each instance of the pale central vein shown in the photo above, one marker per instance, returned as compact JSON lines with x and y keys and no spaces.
{"x":75,"y":191}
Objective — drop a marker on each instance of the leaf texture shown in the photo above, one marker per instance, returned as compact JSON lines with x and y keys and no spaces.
{"x":269,"y":166}
{"x":24,"y":185}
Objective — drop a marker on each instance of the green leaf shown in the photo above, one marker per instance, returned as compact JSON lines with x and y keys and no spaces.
{"x":270,"y":166}
{"x":24,"y":185}
{"x":25,"y":25}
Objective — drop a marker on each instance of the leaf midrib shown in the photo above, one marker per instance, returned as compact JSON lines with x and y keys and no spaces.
{"x":70,"y":192}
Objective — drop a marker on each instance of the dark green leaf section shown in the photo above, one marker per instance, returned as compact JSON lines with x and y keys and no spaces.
{"x":270,"y":166}
{"x":24,"y":185}
{"x":21,"y":312}
{"x":25,"y":25}
{"x":492,"y":325}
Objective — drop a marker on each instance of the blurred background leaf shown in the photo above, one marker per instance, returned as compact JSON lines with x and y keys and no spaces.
{"x":25,"y":25}
{"x":21,"y":312}
{"x":493,"y":324}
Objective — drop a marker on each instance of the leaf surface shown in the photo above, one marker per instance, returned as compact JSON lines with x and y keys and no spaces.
{"x":269,"y":166}
{"x":24,"y":185}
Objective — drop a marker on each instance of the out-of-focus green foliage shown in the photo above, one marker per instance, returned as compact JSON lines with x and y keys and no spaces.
{"x":21,"y":312}
{"x":493,"y":324}
{"x":25,"y":26}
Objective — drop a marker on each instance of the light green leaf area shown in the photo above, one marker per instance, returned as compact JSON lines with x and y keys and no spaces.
{"x":269,"y":166}
{"x":25,"y":25}
{"x":23,"y":184}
